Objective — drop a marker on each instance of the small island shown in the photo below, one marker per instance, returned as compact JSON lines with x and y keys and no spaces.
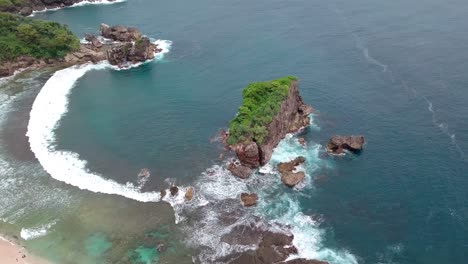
{"x":269,"y":111}
{"x":31,"y":43}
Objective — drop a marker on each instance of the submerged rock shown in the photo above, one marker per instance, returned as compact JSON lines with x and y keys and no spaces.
{"x":288,"y":176}
{"x":302,"y":141}
{"x":338,"y":144}
{"x":249,"y":199}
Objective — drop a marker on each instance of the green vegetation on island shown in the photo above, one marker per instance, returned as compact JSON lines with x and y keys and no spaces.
{"x":261,"y":102}
{"x":20,"y":36}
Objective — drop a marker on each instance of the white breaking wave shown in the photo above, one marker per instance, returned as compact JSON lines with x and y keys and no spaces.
{"x":83,"y":3}
{"x":35,"y":232}
{"x":48,"y":108}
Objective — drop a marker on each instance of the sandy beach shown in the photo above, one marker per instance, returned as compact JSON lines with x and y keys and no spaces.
{"x":11,"y":253}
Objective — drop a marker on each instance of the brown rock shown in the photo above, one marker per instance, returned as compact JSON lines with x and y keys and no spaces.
{"x":291,"y":179}
{"x":239,"y":170}
{"x":173,"y":190}
{"x":291,"y":165}
{"x":120,"y":33}
{"x":338,"y":144}
{"x":189,"y":194}
{"x":288,"y":176}
{"x":163,"y":193}
{"x":249,"y":199}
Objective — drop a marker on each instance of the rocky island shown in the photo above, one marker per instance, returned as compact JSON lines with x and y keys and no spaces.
{"x":27,"y":43}
{"x":26,"y":7}
{"x":270,"y":110}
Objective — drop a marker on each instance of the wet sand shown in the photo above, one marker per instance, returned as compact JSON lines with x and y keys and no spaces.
{"x":11,"y":253}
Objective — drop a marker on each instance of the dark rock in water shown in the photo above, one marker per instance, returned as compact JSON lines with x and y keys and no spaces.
{"x":292,"y":117}
{"x":189,"y":194}
{"x":288,"y":176}
{"x":174,"y":190}
{"x":338,"y":144}
{"x":117,"y":55}
{"x":120,"y":33}
{"x":291,"y":165}
{"x":249,"y":199}
{"x":163,"y":193}
{"x":161,"y":248}
{"x":271,"y":247}
{"x":243,"y":235}
{"x":239,"y":170}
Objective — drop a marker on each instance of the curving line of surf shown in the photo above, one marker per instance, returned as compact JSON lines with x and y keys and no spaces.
{"x":50,"y":105}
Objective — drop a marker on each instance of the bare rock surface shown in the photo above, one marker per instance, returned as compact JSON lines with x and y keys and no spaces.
{"x":338,"y":144}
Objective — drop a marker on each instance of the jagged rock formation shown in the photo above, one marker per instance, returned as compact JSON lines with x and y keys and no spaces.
{"x":338,"y":144}
{"x":239,"y":170}
{"x":270,"y":247}
{"x":292,"y":116}
{"x":288,"y":176}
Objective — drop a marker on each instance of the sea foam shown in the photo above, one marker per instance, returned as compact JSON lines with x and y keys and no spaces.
{"x":83,"y":3}
{"x":48,"y":108}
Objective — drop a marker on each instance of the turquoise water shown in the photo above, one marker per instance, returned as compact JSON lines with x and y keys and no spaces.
{"x":393,"y":71}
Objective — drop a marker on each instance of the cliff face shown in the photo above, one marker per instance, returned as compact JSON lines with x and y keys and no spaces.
{"x":293,"y":115}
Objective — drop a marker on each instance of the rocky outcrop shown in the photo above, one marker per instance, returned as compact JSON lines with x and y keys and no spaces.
{"x":26,"y":7}
{"x":293,"y":116}
{"x":288,"y":175}
{"x":239,"y":170}
{"x":189,"y":194}
{"x":249,"y":199}
{"x":120,"y":33}
{"x":136,"y":49}
{"x":173,"y":190}
{"x":338,"y":144}
{"x":270,"y":247}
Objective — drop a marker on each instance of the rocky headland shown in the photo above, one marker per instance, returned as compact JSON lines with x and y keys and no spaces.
{"x":120,"y":46}
{"x":26,"y":7}
{"x":270,"y":110}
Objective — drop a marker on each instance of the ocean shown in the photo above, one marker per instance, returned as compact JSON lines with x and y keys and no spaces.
{"x":74,"y":141}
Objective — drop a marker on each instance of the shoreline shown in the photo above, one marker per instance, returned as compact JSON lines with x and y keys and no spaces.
{"x":12,"y":252}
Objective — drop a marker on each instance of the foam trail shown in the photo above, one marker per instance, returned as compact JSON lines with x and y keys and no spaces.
{"x":36,"y":232}
{"x":48,"y":108}
{"x":444,"y":128}
{"x":83,"y":3}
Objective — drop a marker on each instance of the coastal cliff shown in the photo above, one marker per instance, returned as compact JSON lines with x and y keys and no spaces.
{"x":270,"y":111}
{"x":26,"y":7}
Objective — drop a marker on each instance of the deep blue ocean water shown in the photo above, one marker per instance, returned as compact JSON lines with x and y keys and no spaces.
{"x":392,"y":71}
